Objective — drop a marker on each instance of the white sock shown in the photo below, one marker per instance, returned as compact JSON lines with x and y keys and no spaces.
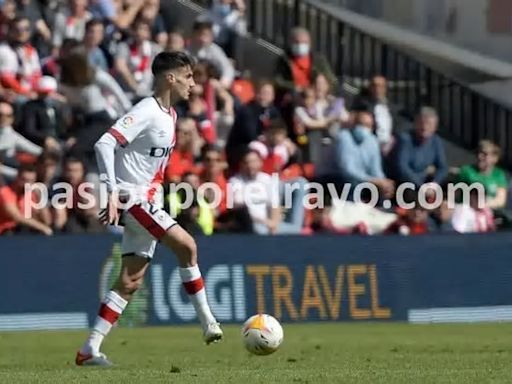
{"x":112,"y":307}
{"x":194,"y":286}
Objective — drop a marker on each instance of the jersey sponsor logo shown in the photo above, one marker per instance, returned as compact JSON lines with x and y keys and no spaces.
{"x":160,"y":151}
{"x":127,"y":121}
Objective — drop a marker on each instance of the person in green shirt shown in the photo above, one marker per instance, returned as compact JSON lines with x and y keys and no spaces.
{"x":485,"y":171}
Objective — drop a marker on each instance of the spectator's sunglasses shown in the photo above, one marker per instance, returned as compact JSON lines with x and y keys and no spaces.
{"x":6,"y":114}
{"x":212,"y":159}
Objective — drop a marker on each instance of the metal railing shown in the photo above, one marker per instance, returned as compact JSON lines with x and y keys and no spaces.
{"x":466,"y":117}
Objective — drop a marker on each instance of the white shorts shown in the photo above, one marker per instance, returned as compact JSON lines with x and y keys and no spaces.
{"x":144,"y":225}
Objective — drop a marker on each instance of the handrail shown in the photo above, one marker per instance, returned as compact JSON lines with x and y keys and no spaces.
{"x":357,"y":50}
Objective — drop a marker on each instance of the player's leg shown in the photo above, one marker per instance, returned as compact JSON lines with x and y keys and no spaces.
{"x":185,"y":249}
{"x":138,"y":248}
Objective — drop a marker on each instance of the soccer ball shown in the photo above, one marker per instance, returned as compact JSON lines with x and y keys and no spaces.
{"x":262,"y":334}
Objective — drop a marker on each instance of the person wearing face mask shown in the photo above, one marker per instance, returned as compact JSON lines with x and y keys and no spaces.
{"x":386,"y":114}
{"x":420,"y":155}
{"x":298,"y":66}
{"x":358,"y":158}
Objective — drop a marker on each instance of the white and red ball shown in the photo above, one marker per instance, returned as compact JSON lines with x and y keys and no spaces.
{"x":262,"y":334}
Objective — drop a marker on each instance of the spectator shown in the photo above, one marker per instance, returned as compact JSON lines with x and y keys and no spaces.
{"x":44,"y":119}
{"x":256,"y":190}
{"x":486,"y":173}
{"x":48,"y":168}
{"x":311,"y":125}
{"x":133,"y":61}
{"x":7,"y":14}
{"x":91,"y":90}
{"x":187,"y":151}
{"x":94,"y":35}
{"x":473,"y":216}
{"x":420,"y":156}
{"x":412,"y":221}
{"x":114,"y":13}
{"x":70,"y":22}
{"x":150,"y":14}
{"x":175,"y":42}
{"x":210,"y":105}
{"x":40,"y":33}
{"x":198,"y":218}
{"x":274,"y":148}
{"x":20,"y":69}
{"x":228,"y":18}
{"x":384,"y":113}
{"x":358,"y":158}
{"x":14,"y":216}
{"x":95,"y":97}
{"x":328,"y":104}
{"x":12,"y":143}
{"x":298,"y":66}
{"x":203,"y":47}
{"x":251,"y":121}
{"x":72,"y":216}
{"x":213,"y":172}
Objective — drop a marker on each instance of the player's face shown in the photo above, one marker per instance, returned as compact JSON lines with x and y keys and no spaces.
{"x":183,"y":82}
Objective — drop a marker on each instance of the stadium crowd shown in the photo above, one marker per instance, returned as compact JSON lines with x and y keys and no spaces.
{"x":70,"y":68}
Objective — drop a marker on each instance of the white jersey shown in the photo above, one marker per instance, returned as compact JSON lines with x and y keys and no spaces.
{"x":147,"y":135}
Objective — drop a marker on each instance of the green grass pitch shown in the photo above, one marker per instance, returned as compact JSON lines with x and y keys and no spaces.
{"x":311,"y":353}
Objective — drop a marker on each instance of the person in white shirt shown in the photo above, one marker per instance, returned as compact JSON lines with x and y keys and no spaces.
{"x":202,"y":47}
{"x":132,"y":157}
{"x":70,"y":22}
{"x":260,"y":193}
{"x":473,"y":216}
{"x":133,"y":60}
{"x":11,"y":143}
{"x":228,"y":18}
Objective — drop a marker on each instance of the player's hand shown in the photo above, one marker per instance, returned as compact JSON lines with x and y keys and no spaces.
{"x":110,"y":215}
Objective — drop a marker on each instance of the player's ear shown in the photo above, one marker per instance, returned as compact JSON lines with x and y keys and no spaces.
{"x":171,"y":77}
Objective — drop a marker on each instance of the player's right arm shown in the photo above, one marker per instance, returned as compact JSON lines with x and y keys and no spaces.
{"x":122,"y":133}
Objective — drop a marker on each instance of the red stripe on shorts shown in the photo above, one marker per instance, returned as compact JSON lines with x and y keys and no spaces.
{"x":147,"y":222}
{"x":194,"y":286}
{"x":108,"y":313}
{"x":119,"y":137}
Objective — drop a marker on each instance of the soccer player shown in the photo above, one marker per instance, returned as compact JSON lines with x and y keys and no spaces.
{"x":132,"y":157}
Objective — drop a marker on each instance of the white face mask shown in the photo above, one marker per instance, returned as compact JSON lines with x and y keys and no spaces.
{"x":300,"y":49}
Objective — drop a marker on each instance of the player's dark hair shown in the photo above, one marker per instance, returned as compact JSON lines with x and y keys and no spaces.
{"x":166,"y":61}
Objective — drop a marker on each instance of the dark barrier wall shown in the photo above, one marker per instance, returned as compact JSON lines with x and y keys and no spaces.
{"x":294,"y":278}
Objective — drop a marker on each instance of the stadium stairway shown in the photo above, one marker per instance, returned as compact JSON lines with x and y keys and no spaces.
{"x":420,"y":70}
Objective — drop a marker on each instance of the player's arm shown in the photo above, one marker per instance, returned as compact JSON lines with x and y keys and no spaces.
{"x":122,"y":133}
{"x":105,"y":149}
